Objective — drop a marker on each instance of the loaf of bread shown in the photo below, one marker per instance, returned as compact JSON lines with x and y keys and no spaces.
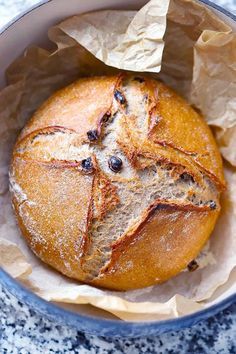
{"x":116,"y":182}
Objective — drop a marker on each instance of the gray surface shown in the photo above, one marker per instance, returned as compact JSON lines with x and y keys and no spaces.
{"x":24,"y":331}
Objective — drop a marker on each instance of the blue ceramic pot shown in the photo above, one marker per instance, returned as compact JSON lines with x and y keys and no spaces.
{"x":33,"y":26}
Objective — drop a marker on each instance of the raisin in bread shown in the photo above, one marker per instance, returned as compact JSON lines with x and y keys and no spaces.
{"x":116,"y":182}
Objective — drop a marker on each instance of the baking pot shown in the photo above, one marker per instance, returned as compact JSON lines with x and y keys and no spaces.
{"x":31,"y":27}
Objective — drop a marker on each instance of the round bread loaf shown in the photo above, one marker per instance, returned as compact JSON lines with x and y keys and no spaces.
{"x":116,"y":182}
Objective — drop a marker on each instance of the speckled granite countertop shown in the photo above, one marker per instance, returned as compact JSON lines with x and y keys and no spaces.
{"x":23,"y":331}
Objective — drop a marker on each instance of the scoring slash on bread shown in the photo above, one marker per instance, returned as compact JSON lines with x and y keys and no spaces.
{"x":116,"y":182}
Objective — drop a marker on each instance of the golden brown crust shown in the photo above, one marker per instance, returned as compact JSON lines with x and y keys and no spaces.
{"x":134,"y":148}
{"x":159,"y":249}
{"x":174,"y":132}
{"x":53,"y":214}
{"x":158,"y":205}
{"x":74,"y":107}
{"x":63,"y":192}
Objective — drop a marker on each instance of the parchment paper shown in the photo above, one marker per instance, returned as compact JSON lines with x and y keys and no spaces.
{"x":198,"y":61}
